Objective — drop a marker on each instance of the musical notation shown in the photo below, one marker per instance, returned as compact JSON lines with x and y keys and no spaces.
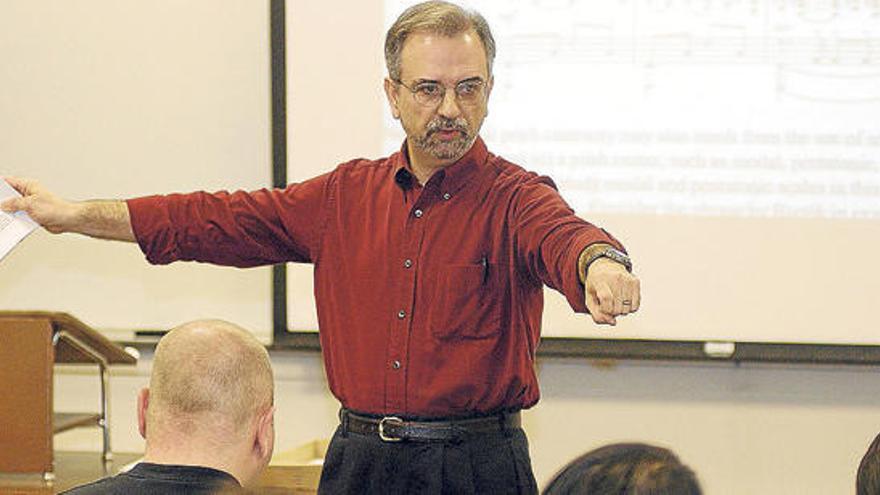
{"x":683,"y":47}
{"x":728,"y":107}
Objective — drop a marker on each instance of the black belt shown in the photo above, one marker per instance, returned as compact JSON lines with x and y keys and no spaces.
{"x":395,"y":429}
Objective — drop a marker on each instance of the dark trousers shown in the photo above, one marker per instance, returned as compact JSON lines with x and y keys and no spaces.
{"x":484,"y":463}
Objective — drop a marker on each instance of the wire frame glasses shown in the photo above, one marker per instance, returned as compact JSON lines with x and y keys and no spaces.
{"x":430,"y":93}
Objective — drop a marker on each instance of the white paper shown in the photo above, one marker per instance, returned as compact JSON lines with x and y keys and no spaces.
{"x":14,"y":227}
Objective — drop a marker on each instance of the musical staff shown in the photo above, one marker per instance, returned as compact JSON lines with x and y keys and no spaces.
{"x":729,"y":107}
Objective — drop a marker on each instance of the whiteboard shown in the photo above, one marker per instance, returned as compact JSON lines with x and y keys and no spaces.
{"x":119,"y":98}
{"x":732,"y":146}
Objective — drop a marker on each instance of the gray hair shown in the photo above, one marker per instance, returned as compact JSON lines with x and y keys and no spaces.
{"x":436,"y":17}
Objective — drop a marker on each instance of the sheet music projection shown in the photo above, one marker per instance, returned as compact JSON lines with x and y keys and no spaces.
{"x":756,"y":108}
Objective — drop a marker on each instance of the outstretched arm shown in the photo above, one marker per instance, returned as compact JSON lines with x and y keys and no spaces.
{"x":104,"y":219}
{"x":573,"y":256}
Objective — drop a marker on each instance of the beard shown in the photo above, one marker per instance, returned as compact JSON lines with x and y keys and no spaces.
{"x":441,"y":149}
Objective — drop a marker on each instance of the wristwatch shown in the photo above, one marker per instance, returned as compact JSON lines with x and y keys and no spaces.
{"x":602,"y":251}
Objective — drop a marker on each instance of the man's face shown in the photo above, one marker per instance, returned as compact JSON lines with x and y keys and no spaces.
{"x":442,"y":128}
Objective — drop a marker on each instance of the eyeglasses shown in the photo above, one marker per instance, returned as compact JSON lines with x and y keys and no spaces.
{"x":430,"y":94}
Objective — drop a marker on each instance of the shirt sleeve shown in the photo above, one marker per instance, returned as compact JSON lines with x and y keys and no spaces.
{"x":241,"y":229}
{"x":550,"y":237}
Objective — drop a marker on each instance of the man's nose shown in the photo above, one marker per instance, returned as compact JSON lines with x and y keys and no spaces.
{"x":449,"y":105}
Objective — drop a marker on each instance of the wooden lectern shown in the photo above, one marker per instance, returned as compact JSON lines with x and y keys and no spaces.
{"x":31,"y":342}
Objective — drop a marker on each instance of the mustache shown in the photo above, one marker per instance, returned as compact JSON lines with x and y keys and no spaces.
{"x":442,"y":124}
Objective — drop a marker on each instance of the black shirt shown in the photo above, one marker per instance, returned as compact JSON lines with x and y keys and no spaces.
{"x":148,"y":478}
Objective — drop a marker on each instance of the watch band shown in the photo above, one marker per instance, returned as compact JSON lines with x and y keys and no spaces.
{"x":595,"y":251}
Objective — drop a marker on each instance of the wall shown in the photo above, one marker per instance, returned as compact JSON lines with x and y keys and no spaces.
{"x":746,"y":429}
{"x":122,"y":98}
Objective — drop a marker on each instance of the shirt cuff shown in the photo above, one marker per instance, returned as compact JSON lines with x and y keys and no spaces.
{"x":149,"y":222}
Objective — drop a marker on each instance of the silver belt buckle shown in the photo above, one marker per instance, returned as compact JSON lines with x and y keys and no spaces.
{"x":382,"y":434}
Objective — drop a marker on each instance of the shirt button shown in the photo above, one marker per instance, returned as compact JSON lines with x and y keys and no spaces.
{"x":407,"y":263}
{"x":401,"y":314}
{"x":418,"y":213}
{"x":395,"y":365}
{"x":446,"y":196}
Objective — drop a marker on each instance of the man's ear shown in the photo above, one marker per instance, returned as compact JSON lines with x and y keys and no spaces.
{"x":391,"y":94}
{"x":264,"y":438}
{"x":143,"y":405}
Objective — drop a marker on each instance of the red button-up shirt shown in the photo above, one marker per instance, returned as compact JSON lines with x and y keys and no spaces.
{"x":429,"y":297}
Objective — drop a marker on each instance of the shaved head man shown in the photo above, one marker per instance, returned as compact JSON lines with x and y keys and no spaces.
{"x":207,"y":416}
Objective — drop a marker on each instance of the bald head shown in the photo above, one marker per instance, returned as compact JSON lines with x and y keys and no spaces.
{"x":208,"y":370}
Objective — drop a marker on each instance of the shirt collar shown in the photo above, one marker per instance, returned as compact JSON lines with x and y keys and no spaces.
{"x":451,"y":178}
{"x":189,"y":474}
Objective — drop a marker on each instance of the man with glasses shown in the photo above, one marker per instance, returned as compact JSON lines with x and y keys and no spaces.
{"x":429,"y":271}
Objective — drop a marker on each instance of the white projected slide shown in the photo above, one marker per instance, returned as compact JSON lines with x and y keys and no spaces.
{"x":746,"y":108}
{"x":733,"y":146}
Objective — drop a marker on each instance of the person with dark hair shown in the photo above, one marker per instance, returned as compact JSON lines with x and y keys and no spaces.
{"x":868,"y":475}
{"x":430,"y":267}
{"x":207,"y":416}
{"x":625,"y":469}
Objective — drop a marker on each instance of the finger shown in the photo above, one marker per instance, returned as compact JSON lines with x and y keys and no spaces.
{"x":23,"y":186}
{"x":12,"y":205}
{"x":595,"y":308}
{"x":591,"y":301}
{"x":601,"y":318}
{"x":619,"y":308}
{"x":606,"y":298}
{"x":606,"y":320}
{"x":622,"y":301}
{"x":627,"y":300}
{"x":636,"y":294}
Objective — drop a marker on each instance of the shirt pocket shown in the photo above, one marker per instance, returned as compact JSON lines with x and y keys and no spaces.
{"x":468,"y":302}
